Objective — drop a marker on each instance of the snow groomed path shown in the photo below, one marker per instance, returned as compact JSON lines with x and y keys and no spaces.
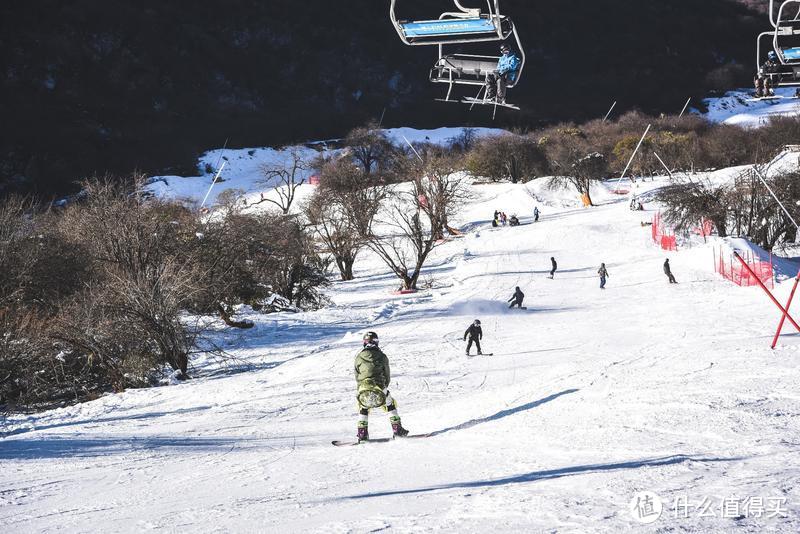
{"x":590,"y":398}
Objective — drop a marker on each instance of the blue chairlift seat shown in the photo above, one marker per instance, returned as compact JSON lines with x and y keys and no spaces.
{"x":792,"y":54}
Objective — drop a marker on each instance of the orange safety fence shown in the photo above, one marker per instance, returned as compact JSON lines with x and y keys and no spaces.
{"x":731,"y":269}
{"x":661,"y":236}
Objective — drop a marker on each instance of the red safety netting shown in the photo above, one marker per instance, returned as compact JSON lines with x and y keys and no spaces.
{"x":705,"y":228}
{"x":731,"y":269}
{"x":661,"y":235}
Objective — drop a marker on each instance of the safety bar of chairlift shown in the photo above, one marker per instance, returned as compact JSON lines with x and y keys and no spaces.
{"x":519,"y":47}
{"x":779,"y":51}
{"x":777,"y":33}
{"x":465,"y":12}
{"x":776,"y":21}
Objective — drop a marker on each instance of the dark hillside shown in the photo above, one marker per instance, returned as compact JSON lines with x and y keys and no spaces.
{"x":94,"y":86}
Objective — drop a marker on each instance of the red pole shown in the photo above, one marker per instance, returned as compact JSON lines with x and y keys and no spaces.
{"x":771,"y":296}
{"x":788,"y":304}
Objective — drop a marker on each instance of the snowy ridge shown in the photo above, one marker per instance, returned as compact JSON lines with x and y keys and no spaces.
{"x":591,"y":397}
{"x":243,"y":165}
{"x":742,"y":109}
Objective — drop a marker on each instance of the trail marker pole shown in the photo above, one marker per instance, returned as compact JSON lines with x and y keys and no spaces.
{"x":609,"y":111}
{"x":624,"y":172}
{"x":216,"y":176}
{"x":684,"y":107}
{"x":783,"y":317}
{"x":767,"y":291}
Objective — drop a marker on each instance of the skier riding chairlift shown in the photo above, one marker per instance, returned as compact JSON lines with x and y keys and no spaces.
{"x":782,"y":66}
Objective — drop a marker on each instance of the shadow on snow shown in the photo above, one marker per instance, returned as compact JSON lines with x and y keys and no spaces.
{"x":550,"y":474}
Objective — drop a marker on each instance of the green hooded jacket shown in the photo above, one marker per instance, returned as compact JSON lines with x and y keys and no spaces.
{"x":372,"y":368}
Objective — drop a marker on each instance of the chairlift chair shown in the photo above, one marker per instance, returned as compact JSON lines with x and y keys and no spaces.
{"x":467,"y":25}
{"x":785,"y":37}
{"x":471,"y":70}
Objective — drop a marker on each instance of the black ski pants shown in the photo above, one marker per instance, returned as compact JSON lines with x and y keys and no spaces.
{"x":477,"y":344}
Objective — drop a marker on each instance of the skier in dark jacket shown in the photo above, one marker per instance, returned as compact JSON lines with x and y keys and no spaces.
{"x":373,"y":376}
{"x":668,"y":272}
{"x":475,"y":335}
{"x":603,"y":275}
{"x":516,"y":298}
{"x":536,"y":214}
{"x":555,"y":266}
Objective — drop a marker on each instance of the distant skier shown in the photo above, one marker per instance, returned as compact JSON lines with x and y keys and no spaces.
{"x":506,"y":72}
{"x":668,"y":272}
{"x":475,"y":335}
{"x":536,"y":214}
{"x":372,"y":376}
{"x":603,"y":275}
{"x":555,"y":266}
{"x":517,"y":298}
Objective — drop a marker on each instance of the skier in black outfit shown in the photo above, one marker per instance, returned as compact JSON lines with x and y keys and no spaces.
{"x":668,"y":272}
{"x":516,"y":298}
{"x":475,"y":334}
{"x":555,"y":266}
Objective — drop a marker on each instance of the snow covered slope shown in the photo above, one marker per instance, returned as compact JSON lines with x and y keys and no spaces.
{"x":243,"y":166}
{"x":592,"y":396}
{"x":740,"y":108}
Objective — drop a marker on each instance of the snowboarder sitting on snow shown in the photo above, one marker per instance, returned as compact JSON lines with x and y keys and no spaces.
{"x":507,"y":68}
{"x":475,"y":335}
{"x":516,"y":298}
{"x":668,"y":272}
{"x":603,"y":275}
{"x":372,"y":376}
{"x":513,"y":221}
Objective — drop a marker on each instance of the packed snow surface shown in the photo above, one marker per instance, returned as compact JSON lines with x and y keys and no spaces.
{"x":742,"y":109}
{"x":591,"y":397}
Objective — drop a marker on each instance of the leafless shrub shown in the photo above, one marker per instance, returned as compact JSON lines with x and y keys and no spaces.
{"x":508,"y":157}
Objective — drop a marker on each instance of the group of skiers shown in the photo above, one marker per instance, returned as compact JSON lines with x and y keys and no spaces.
{"x":501,"y":219}
{"x":372,"y":365}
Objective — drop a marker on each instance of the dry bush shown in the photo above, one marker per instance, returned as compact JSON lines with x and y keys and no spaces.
{"x":508,"y":157}
{"x":573,"y":159}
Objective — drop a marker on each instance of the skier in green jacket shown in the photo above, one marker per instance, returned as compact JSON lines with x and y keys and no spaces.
{"x":372,"y":375}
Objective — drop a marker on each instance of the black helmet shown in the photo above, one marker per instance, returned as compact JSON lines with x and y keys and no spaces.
{"x":370,"y":338}
{"x":477,"y":322}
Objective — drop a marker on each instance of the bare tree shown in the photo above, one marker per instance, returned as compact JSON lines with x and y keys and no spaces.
{"x":441,"y":192}
{"x":689,"y":202}
{"x":328,"y":218}
{"x":285,"y":176}
{"x":370,"y":150}
{"x":410,"y":223}
{"x":508,"y":157}
{"x":573,"y":159}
